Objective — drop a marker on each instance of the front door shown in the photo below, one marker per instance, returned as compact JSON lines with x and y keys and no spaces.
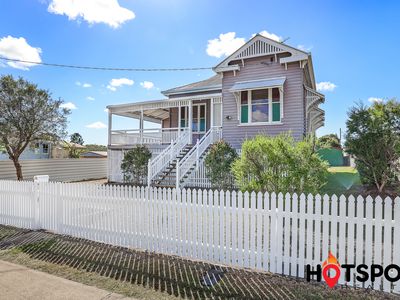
{"x":199,"y":124}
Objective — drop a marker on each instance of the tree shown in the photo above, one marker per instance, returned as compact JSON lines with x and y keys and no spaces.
{"x":219,"y":163}
{"x":73,"y":150}
{"x":134,"y":164}
{"x":279,"y":164}
{"x":76,"y":138}
{"x":28,"y":115}
{"x":373,"y":137}
{"x":329,"y":141}
{"x":95,"y":147}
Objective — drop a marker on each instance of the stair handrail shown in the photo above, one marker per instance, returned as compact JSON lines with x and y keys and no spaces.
{"x":157,"y":164}
{"x":192,"y":157}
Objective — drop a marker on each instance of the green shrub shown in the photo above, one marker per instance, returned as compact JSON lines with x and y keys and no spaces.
{"x":134,"y":165}
{"x":373,"y":138}
{"x":329,"y":141}
{"x":279,"y":164}
{"x":218,"y":165}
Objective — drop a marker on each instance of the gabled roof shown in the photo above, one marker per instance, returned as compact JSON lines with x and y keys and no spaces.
{"x":257,"y":46}
{"x":260,"y":46}
{"x":213,"y":83}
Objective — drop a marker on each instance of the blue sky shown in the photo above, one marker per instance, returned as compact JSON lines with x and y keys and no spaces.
{"x":355,"y":47}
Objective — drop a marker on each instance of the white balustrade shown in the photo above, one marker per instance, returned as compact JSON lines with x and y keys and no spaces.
{"x":157,"y":164}
{"x":192,"y":158}
{"x":145,"y":136}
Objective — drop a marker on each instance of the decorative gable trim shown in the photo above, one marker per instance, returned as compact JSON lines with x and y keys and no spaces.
{"x":260,"y":46}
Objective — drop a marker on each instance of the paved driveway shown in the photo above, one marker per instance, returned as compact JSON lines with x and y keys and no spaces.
{"x":18,"y":282}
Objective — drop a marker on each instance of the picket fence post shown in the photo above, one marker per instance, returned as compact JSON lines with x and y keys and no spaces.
{"x":35,"y":205}
{"x":273,"y":232}
{"x":59,"y":208}
{"x":396,"y":239}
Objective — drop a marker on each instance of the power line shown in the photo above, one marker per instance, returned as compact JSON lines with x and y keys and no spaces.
{"x":106,"y":68}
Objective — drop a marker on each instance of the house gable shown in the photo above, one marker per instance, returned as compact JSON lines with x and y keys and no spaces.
{"x":261,"y":46}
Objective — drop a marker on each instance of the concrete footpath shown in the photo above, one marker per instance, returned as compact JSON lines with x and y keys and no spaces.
{"x":18,"y":282}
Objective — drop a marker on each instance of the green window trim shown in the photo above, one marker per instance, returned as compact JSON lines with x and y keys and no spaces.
{"x":276,"y":111}
{"x":244,"y":114}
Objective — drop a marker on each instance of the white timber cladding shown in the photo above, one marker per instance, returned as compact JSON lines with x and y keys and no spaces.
{"x":267,"y":232}
{"x":115,"y":157}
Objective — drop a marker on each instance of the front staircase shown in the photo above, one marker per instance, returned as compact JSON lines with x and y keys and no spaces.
{"x":176,"y":163}
{"x":167,"y":177}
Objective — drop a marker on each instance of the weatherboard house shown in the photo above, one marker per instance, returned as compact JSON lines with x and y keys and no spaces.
{"x":265,"y":87}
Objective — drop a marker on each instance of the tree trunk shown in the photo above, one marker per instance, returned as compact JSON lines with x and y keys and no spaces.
{"x":18,"y":169}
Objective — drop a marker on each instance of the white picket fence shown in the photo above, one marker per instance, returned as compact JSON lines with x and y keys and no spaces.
{"x":268,"y":232}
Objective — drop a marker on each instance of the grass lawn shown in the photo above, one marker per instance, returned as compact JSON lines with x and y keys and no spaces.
{"x":342,"y":180}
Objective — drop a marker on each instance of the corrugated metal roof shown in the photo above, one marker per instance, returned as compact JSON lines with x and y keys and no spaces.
{"x":211,"y":84}
{"x":258,"y":84}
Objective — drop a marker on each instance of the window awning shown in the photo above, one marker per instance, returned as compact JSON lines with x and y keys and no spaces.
{"x":258,"y":84}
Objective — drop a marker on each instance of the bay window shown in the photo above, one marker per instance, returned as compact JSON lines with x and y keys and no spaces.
{"x":260,"y":106}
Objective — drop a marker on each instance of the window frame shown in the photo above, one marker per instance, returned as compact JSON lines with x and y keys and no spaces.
{"x":270,"y":107}
{"x":45,"y":148}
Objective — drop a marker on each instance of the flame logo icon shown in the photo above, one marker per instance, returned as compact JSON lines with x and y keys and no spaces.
{"x":331,"y":263}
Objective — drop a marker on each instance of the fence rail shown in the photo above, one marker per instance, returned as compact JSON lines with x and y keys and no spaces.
{"x":270,"y":232}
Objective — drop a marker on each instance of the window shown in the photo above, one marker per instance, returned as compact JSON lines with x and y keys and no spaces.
{"x":276,"y":105}
{"x":217,"y":114}
{"x":45,"y":148}
{"x":260,"y":106}
{"x":36,"y":149}
{"x":199,"y":118}
{"x":244,"y":107}
{"x":184,"y":116}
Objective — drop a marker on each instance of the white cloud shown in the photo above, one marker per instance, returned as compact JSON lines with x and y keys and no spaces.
{"x":92,"y":11}
{"x":118,"y":82}
{"x":375,"y":99}
{"x":227,"y":43}
{"x":147,"y":85}
{"x":326,"y":86}
{"x":90,"y":98}
{"x":85,"y":84}
{"x":224,"y":45}
{"x":106,"y":110}
{"x":304,"y":48}
{"x":97,"y":125}
{"x":18,"y":48}
{"x":68,"y":105}
{"x":271,"y":36}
